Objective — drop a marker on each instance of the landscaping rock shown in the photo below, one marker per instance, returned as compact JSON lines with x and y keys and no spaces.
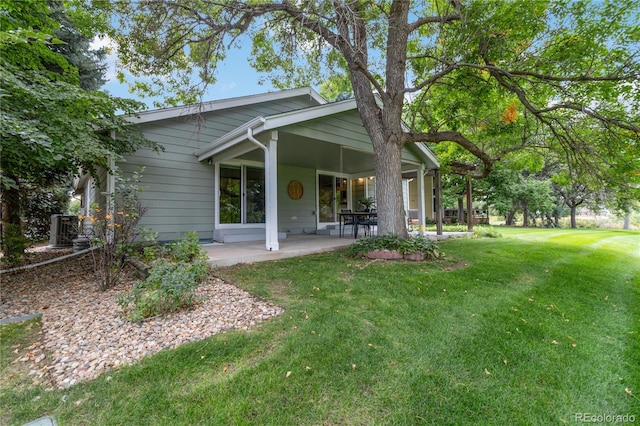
{"x":84,"y":334}
{"x":384,"y":254}
{"x":415,"y":257}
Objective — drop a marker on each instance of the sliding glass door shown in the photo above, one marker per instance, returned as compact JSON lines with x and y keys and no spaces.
{"x":332,"y":197}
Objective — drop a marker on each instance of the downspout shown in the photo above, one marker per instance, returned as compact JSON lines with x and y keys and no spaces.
{"x":255,"y":141}
{"x":270,"y":244}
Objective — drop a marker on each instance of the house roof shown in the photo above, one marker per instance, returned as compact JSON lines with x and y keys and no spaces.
{"x":265,"y":123}
{"x":204,"y":107}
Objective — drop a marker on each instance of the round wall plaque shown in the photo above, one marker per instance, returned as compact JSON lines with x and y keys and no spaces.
{"x":295,"y":190}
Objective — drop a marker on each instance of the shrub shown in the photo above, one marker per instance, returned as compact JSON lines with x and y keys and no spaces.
{"x":38,"y":204}
{"x":171,"y":283}
{"x":114,"y":232}
{"x":419,"y":244}
{"x":187,"y":249}
{"x":14,"y":244}
{"x":449,"y":227}
{"x":413,"y":244}
{"x":485,"y":232}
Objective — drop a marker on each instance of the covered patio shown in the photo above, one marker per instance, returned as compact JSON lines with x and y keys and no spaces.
{"x":323,"y":150}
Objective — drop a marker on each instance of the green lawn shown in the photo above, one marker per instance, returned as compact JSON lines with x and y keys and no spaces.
{"x":533,"y":328}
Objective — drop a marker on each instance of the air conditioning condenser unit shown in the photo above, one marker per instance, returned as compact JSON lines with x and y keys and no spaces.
{"x":64,"y":229}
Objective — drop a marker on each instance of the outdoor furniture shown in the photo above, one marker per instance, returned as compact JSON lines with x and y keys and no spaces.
{"x":346,"y":219}
{"x":371,"y":222}
{"x":412,"y":217}
{"x":360,"y":219}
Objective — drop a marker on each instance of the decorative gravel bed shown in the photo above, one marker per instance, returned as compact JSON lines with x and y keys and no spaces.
{"x":84,"y":333}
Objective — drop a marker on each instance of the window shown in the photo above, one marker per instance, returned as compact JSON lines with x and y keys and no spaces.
{"x":242,"y":195}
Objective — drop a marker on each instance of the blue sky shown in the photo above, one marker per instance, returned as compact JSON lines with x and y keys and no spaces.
{"x":235,"y":77}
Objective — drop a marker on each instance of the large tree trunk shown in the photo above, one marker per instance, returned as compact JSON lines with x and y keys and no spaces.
{"x":460,"y":210}
{"x":383,"y":125}
{"x":387,"y":147}
{"x":573,"y":216}
{"x":13,"y":243}
{"x":525,"y":215}
{"x":469,"y":205}
{"x":389,"y":190}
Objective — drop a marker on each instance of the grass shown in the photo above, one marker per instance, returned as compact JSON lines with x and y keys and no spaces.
{"x":532,"y":328}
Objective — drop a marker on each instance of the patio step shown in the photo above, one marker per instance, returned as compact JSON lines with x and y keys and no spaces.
{"x":334,"y":230}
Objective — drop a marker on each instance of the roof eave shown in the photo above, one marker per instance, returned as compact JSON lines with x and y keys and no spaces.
{"x":260,"y":124}
{"x":204,"y":107}
{"x":427,"y":154}
{"x":230,"y":139}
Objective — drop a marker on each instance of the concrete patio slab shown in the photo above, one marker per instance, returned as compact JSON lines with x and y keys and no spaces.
{"x":294,"y":245}
{"x":255,"y":251}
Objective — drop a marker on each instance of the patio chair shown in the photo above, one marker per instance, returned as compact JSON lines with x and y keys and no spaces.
{"x":371,"y":222}
{"x":346,"y":220}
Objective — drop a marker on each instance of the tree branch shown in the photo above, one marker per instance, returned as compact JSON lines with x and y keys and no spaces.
{"x":502,"y":75}
{"x":458,"y":138}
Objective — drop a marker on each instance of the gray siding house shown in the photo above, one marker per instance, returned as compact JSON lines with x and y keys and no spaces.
{"x":257,"y":168}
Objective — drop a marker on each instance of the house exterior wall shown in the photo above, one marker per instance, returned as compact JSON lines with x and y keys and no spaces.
{"x":358,"y":192}
{"x":428,"y":196}
{"x":98,"y":189}
{"x":296,"y":216}
{"x":92,"y":192}
{"x":179,"y":190}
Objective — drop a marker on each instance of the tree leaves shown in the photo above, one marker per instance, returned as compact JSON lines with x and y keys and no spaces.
{"x":50,"y":125}
{"x":492,"y":77}
{"x":509,"y":114}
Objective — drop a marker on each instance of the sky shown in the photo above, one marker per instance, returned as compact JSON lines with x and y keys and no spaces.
{"x":235,"y":77}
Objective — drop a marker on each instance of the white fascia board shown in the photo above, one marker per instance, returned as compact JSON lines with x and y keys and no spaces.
{"x":230,"y":139}
{"x":299,"y":116}
{"x":186,"y":110}
{"x":426,"y":152}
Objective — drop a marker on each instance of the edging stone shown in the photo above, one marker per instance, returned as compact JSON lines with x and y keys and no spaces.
{"x":396,"y":255}
{"x":384,"y":254}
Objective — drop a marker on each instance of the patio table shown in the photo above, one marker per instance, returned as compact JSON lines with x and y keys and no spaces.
{"x":358,"y":218}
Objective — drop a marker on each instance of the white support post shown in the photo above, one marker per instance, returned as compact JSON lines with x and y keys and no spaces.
{"x":271,"y":193}
{"x":421,"y":200}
